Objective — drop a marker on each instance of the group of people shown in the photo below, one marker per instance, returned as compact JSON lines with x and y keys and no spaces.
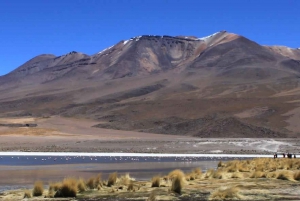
{"x":288,"y":155}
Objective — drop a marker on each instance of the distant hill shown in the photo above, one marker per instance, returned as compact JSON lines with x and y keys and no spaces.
{"x":222,"y":85}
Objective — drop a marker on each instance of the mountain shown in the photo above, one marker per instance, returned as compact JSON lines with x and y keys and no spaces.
{"x":222,"y":85}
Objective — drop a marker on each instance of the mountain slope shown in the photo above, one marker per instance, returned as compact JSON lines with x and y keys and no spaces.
{"x":162,"y":84}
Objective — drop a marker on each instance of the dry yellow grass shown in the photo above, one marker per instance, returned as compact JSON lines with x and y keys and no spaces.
{"x":155,"y":182}
{"x":209,"y":173}
{"x":177,"y":183}
{"x":219,"y":174}
{"x":91,"y":183}
{"x":27,"y":194}
{"x":285,"y":175}
{"x":54,"y":186}
{"x":175,"y":173}
{"x":258,"y":174}
{"x":225,"y":194}
{"x":130,"y":187}
{"x":38,"y":188}
{"x":125,"y":179}
{"x":68,"y":188}
{"x":112,"y":179}
{"x":238,"y":175}
{"x":297,"y":175}
{"x":197,"y":172}
{"x":81,"y":185}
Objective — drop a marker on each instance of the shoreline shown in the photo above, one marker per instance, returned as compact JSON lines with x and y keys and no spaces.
{"x":79,"y":154}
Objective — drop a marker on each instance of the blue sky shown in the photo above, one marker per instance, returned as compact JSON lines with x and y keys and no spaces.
{"x":32,"y":27}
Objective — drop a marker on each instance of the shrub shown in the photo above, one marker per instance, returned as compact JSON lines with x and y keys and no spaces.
{"x":155,"y":181}
{"x":38,"y":188}
{"x":68,"y":188}
{"x":177,"y":183}
{"x":27,"y":194}
{"x":112,"y":179}
{"x":226,"y":193}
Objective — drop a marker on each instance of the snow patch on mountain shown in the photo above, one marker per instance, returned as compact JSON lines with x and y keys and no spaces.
{"x":105,"y":49}
{"x":207,"y":37}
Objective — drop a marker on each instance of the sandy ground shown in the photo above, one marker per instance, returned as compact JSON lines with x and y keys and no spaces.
{"x":57,"y":134}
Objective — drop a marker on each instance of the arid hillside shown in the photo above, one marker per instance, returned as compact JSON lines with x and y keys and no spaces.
{"x":223,"y":85}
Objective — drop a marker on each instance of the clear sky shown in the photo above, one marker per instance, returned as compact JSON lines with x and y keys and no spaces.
{"x":32,"y":27}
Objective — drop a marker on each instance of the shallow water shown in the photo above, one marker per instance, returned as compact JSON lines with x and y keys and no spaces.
{"x":22,"y":171}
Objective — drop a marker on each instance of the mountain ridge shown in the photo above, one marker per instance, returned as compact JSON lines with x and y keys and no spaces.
{"x":164,"y":84}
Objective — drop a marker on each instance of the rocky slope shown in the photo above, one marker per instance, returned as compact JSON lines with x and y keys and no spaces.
{"x":163,"y":84}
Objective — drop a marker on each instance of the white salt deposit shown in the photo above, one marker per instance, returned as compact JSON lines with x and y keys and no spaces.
{"x":131,"y":154}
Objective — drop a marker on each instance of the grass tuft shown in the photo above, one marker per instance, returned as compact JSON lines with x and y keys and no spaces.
{"x":38,"y":188}
{"x":258,"y":174}
{"x":225,"y":194}
{"x":27,"y":194}
{"x":155,"y":182}
{"x":130,"y":187}
{"x":91,"y":183}
{"x":112,"y":179}
{"x":297,"y":176}
{"x":177,"y":183}
{"x":68,"y":188}
{"x":81,"y":185}
{"x":285,"y":175}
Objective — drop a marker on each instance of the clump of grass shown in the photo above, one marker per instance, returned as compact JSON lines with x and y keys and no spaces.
{"x":297,"y":175}
{"x":190,"y":176}
{"x":225,"y":194}
{"x":258,"y":174}
{"x":285,"y":175}
{"x":91,"y":183}
{"x":112,"y":179}
{"x":197,"y":172}
{"x":27,"y":194}
{"x":271,"y":175}
{"x":219,"y":174}
{"x":38,"y":188}
{"x":130,"y":187}
{"x":81,"y":185}
{"x":177,"y":183}
{"x":155,"y":182}
{"x":220,"y":164}
{"x":54,"y":186}
{"x":209,"y":173}
{"x":237,"y":175}
{"x":68,"y":188}
{"x":125,"y":179}
{"x":51,"y":193}
{"x":175,"y":173}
